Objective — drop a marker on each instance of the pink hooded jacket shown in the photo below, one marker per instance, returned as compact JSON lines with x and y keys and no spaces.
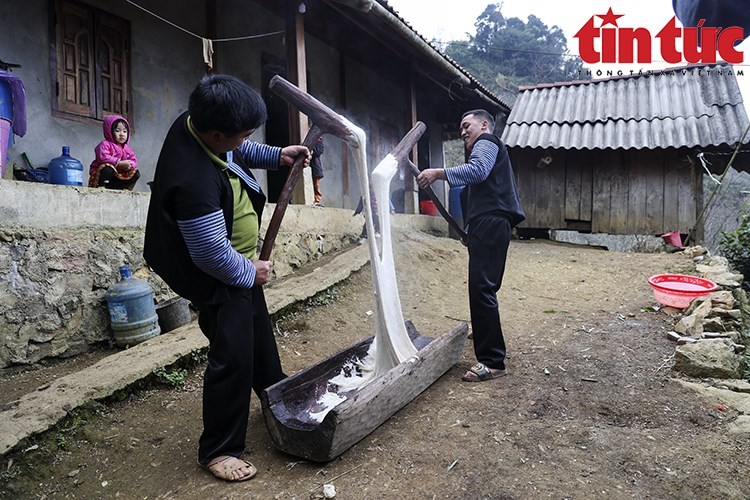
{"x":108,"y":151}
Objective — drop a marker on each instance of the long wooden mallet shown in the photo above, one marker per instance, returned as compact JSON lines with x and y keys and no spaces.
{"x":324,"y":121}
{"x":405,"y":162}
{"x":402,"y":149}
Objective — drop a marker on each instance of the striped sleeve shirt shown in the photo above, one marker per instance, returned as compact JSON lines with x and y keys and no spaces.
{"x":478,"y":168}
{"x":260,"y":155}
{"x":206,"y":237}
{"x":210,"y":249}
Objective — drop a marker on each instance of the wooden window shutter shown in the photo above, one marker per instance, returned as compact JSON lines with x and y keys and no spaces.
{"x":75,"y":60}
{"x":112,"y":59}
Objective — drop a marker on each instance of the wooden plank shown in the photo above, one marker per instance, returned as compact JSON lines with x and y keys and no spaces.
{"x":587,"y":186}
{"x":556,"y":186}
{"x":698,"y":235}
{"x":637,"y":174}
{"x":601,"y":189}
{"x":618,"y":209}
{"x":411,"y":190}
{"x":287,"y":404}
{"x":686,"y":194}
{"x":654,"y":161}
{"x":542,"y":193}
{"x":344,"y":148}
{"x":573,"y":165}
{"x":671,"y":193}
{"x":525,"y":174}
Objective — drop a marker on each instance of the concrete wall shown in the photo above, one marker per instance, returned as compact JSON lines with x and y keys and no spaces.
{"x":45,"y":206}
{"x":165,"y":65}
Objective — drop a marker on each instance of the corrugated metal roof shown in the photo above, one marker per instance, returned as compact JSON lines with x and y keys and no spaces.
{"x":678,"y":107}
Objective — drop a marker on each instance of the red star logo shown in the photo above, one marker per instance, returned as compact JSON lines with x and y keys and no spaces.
{"x":609,"y":18}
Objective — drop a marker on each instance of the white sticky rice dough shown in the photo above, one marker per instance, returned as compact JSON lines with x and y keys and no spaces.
{"x":392,"y":344}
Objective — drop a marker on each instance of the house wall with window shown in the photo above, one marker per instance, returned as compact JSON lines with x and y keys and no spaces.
{"x":159,"y":69}
{"x":164,"y":65}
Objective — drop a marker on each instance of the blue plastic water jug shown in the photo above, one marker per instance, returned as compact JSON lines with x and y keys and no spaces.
{"x":65,"y":169}
{"x":131,"y":310}
{"x":454,"y":208}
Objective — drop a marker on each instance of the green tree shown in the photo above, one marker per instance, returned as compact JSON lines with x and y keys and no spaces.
{"x":505,"y":53}
{"x":735,"y":245}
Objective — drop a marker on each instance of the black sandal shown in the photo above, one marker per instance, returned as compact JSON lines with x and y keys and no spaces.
{"x":483,"y":373}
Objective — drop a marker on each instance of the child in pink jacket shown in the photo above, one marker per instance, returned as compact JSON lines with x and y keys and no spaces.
{"x":115,"y":166}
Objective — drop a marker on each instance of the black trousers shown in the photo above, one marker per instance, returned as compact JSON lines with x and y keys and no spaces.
{"x":488,"y":241}
{"x":109,"y":180}
{"x":242,"y":356}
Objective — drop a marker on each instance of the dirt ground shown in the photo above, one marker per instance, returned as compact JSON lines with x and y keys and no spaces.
{"x":589,"y":409}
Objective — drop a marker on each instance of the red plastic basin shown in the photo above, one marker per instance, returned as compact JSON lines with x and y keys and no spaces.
{"x":679,"y":290}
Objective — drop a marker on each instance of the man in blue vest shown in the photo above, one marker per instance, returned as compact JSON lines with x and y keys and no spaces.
{"x":492,"y":210}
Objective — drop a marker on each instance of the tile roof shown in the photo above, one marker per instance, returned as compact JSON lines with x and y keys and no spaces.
{"x":677,"y":107}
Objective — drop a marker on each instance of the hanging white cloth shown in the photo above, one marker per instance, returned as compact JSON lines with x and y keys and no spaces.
{"x":208,"y":53}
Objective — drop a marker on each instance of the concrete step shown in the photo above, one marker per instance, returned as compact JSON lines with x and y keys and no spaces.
{"x":41,"y":410}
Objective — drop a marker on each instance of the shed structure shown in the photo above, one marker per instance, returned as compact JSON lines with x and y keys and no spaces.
{"x":621,"y":155}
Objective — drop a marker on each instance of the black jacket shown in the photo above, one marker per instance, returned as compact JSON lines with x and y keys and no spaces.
{"x":188,"y":184}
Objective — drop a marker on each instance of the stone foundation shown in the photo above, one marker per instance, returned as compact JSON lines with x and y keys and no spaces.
{"x":61,"y":247}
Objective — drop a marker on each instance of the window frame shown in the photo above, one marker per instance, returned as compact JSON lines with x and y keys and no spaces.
{"x":97,"y":28}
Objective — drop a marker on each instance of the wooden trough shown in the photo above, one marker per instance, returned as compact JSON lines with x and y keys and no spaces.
{"x":287,"y":404}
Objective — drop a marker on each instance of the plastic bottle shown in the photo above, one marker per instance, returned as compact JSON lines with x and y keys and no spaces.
{"x":131,"y":310}
{"x":65,"y":169}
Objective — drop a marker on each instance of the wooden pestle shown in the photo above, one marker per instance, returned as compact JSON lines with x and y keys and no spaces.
{"x":324,"y":121}
{"x":401,"y":152}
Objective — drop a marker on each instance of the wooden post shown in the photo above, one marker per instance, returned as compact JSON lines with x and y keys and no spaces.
{"x":698,"y":233}
{"x":411,"y":193}
{"x":297,"y":72}
{"x":344,"y":149}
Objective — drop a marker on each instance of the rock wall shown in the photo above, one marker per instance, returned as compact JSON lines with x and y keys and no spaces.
{"x":61,"y":247}
{"x":713,"y":333}
{"x":51,"y":295}
{"x":53,"y":283}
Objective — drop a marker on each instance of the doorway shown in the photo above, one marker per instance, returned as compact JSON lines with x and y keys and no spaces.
{"x":277,"y":125}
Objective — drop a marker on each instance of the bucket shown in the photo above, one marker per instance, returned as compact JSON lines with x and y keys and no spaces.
{"x":673,"y":238}
{"x":131,"y":310}
{"x":427,"y":207}
{"x":173,"y":313}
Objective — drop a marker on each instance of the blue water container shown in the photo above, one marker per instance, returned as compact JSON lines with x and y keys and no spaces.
{"x":131,"y":310}
{"x":6,"y":100}
{"x":65,"y":170}
{"x":454,"y":208}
